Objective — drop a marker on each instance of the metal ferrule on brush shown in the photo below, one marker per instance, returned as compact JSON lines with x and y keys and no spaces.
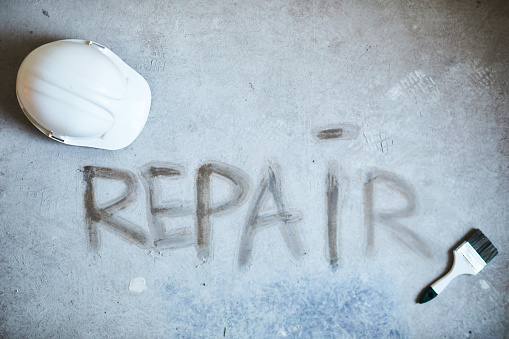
{"x":471,"y":255}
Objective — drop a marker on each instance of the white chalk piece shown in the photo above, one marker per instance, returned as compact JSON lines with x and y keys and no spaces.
{"x":484,"y":284}
{"x":138,"y":285}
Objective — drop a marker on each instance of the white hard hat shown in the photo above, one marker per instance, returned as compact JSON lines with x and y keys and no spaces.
{"x":80,"y":93}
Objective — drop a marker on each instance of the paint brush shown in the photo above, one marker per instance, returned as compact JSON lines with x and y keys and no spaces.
{"x":469,"y":258}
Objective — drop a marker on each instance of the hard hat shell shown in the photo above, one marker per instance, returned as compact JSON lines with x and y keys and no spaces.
{"x":80,"y":93}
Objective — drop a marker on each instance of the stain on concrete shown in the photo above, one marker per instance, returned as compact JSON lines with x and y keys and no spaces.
{"x":381,"y":141}
{"x":303,"y":307}
{"x":417,"y":86}
{"x":341,"y":132}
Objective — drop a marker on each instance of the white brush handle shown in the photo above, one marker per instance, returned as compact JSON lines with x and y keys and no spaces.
{"x":461,"y":266}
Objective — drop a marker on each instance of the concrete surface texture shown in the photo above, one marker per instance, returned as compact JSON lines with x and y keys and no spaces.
{"x":305,"y":171}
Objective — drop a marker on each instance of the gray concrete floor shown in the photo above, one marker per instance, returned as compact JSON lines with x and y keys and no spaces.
{"x":368,"y":137}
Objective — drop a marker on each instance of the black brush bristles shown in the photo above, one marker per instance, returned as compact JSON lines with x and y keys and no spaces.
{"x":483,"y":246}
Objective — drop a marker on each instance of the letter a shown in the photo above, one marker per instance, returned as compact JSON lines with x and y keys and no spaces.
{"x":269,"y":184}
